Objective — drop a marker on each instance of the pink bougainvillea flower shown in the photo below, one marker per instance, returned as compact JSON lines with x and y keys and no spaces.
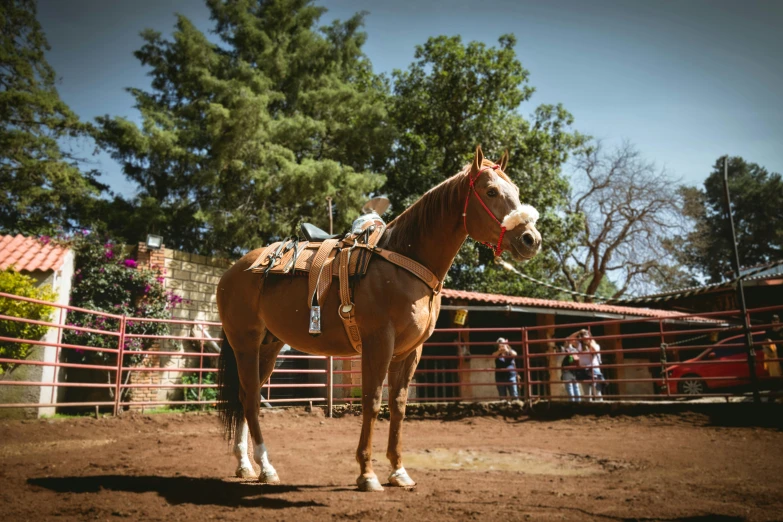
{"x":130,"y":263}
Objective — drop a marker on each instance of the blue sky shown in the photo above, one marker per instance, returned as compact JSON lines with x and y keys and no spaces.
{"x":685,"y":81}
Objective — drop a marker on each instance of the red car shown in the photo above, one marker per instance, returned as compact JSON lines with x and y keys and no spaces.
{"x":717,"y":368}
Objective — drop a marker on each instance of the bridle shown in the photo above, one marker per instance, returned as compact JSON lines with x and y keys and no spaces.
{"x":496,"y":249}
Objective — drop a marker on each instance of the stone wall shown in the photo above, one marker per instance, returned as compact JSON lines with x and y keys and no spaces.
{"x":194,"y":278}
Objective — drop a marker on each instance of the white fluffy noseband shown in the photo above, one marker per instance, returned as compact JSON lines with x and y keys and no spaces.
{"x":521,"y":216}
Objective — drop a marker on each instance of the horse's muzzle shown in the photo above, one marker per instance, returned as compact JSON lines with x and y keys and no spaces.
{"x":527,"y":244}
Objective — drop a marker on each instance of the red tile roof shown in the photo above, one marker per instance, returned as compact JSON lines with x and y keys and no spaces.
{"x":533,"y":302}
{"x":29,"y":254}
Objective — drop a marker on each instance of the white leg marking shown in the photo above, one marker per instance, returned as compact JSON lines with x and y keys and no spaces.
{"x":369,"y":483}
{"x":268,"y":474}
{"x":401,"y":478}
{"x":244,"y":466}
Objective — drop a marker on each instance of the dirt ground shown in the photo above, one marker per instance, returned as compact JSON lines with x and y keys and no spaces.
{"x":586,"y":467}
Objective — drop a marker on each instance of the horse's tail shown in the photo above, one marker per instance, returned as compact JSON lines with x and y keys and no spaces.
{"x":229,"y":405}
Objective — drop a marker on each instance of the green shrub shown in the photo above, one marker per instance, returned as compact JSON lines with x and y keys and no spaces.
{"x":207,"y":394}
{"x":12,"y":282}
{"x":106,"y":281}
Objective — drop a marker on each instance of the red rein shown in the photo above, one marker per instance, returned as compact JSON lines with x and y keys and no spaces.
{"x":497,"y":249}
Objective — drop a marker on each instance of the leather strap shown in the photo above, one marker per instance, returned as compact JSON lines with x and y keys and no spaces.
{"x":415,"y":268}
{"x":325,"y":281}
{"x":347,"y":311}
{"x":263,"y":256}
{"x":315,"y":270}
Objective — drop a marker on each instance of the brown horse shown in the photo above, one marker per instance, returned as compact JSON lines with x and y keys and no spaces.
{"x":395,"y":310}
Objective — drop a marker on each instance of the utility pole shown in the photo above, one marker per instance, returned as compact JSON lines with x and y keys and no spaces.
{"x":751,"y":352}
{"x":329,"y":204}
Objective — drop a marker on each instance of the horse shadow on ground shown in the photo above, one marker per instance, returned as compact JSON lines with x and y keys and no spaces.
{"x":186,"y":490}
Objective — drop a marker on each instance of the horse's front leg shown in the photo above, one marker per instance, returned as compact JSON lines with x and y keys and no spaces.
{"x":244,"y":467}
{"x":375,"y":364}
{"x":400,"y":375}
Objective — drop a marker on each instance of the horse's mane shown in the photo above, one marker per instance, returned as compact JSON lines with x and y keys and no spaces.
{"x":434,"y":208}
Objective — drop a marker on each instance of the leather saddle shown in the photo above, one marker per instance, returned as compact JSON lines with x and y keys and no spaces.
{"x":313,"y":233}
{"x":324,"y":256}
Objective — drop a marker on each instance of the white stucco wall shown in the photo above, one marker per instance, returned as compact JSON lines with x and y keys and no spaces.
{"x":61,"y":284}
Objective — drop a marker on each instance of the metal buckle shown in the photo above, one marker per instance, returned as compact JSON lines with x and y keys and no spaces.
{"x":315,"y":321}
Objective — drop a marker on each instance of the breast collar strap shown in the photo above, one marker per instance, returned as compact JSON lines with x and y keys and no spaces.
{"x":497,"y":249}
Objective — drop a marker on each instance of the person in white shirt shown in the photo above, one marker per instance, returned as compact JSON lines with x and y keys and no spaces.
{"x":590,"y":357}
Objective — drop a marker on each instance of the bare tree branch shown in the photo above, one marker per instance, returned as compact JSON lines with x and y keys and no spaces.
{"x":630,"y":210}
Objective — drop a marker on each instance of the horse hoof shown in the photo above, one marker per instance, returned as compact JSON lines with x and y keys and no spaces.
{"x":245,"y":473}
{"x":369,"y":483}
{"x":400,"y":478}
{"x":269,"y":478}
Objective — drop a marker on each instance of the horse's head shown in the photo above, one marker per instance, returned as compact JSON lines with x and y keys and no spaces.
{"x":493,"y":213}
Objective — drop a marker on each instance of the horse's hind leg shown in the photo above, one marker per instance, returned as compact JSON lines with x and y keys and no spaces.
{"x":400,"y":375}
{"x":244,"y":466}
{"x":255,"y":368}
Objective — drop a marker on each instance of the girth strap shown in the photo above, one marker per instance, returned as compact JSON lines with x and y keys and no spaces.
{"x":347,"y":310}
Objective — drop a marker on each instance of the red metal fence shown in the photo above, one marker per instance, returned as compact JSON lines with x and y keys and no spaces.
{"x":641,"y":359}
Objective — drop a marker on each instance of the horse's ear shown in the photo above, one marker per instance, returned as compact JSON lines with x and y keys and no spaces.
{"x":478,"y":160}
{"x":503,"y":161}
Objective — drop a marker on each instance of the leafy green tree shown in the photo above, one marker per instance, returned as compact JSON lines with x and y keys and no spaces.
{"x":241,"y":141}
{"x":757,"y":205}
{"x":42,"y":186}
{"x":12,"y":282}
{"x":455,"y":96}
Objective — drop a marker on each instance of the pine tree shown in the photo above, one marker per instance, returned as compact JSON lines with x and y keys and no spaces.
{"x":241,"y":141}
{"x":42,"y":186}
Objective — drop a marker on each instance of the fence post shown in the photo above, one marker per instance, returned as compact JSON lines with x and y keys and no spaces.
{"x":330,"y":384}
{"x":664,"y":373}
{"x":754,"y":379}
{"x":526,"y":362}
{"x":57,"y":355}
{"x":118,"y":384}
{"x":201,"y":370}
{"x":664,"y":358}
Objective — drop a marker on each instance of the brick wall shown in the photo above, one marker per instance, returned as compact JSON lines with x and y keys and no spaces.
{"x":194,"y":278}
{"x":146,"y":394}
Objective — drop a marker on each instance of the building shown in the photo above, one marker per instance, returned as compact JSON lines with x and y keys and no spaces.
{"x":48,"y":264}
{"x":544,"y":321}
{"x":763,"y":286}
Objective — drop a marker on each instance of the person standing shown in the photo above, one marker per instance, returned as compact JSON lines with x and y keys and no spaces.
{"x":772,"y":348}
{"x":505,"y":369}
{"x":590,"y":362}
{"x":568,"y":370}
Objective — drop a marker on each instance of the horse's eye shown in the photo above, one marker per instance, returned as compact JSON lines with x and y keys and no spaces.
{"x":492,"y":193}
